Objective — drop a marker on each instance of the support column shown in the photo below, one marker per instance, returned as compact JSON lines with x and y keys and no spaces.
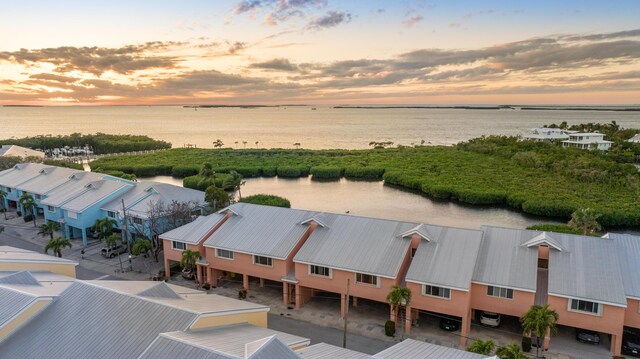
{"x":343,"y":305}
{"x":199,"y":275}
{"x":245,"y":282}
{"x":84,"y":237}
{"x":407,"y":322}
{"x":261,"y":282}
{"x":298,"y":297}
{"x":285,"y":294}
{"x":465,"y":329}
{"x":212,"y":279}
{"x":616,"y":344}
{"x":355,"y":301}
{"x":167,"y":269}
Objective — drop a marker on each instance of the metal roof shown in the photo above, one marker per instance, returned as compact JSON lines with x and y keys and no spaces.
{"x":261,"y":230}
{"x":13,"y":302}
{"x":169,"y":348}
{"x":135,"y":287}
{"x":195,"y":231}
{"x":327,"y":351}
{"x":19,"y":151}
{"x":93,"y":193}
{"x":432,"y":263}
{"x":12,"y":254}
{"x":232,"y":339}
{"x":210,"y":304}
{"x":20,"y":173}
{"x":47,"y":179}
{"x":70,"y":189}
{"x":628,"y":248}
{"x":587,"y":269}
{"x":413,"y":349}
{"x":143,"y":194}
{"x":269,"y":348}
{"x":98,"y":323}
{"x":358,"y":244}
{"x":160,"y":290}
{"x":504,"y":261}
{"x":20,"y":278}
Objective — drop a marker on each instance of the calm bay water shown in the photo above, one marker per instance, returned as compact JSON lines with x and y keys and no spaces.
{"x":281,"y":127}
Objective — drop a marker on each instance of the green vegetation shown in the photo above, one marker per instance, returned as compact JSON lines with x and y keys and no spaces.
{"x":538,"y":178}
{"x":28,"y":205}
{"x":120,"y":174}
{"x":267,"y":200}
{"x":510,"y":351}
{"x":56,"y":245}
{"x":585,"y":220}
{"x":49,"y":229}
{"x":538,"y":320}
{"x":100,"y":142}
{"x":558,"y":228}
{"x":216,"y":198}
{"x":484,"y":347}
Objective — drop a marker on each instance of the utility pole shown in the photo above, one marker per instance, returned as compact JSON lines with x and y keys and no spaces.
{"x":126,"y":231}
{"x":346,"y":313}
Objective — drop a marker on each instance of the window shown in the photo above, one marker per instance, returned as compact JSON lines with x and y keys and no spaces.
{"x":51,"y":208}
{"x":320,"y":271}
{"x":434,"y":291}
{"x":178,"y":245}
{"x":72,"y":215}
{"x":38,"y":196}
{"x":500,"y":292}
{"x":366,"y":279}
{"x":8,"y":189}
{"x":413,"y":252}
{"x":223,"y":253}
{"x":577,"y":305}
{"x":111,"y":214}
{"x":137,"y":220}
{"x":264,"y":261}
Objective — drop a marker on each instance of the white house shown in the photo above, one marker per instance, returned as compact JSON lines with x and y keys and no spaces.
{"x":546,"y":134}
{"x":635,"y":138}
{"x":588,"y":141}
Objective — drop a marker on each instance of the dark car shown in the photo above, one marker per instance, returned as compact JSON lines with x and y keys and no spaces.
{"x":631,"y":346}
{"x":449,"y":324}
{"x":113,"y":251}
{"x":587,"y":336}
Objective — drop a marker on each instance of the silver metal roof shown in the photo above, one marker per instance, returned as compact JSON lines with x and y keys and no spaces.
{"x":93,"y":193}
{"x":47,"y":179}
{"x":261,"y":230}
{"x":195,"y":231}
{"x":70,"y":189}
{"x":138,"y":199}
{"x":13,"y":302}
{"x":269,"y":348}
{"x":98,"y":323}
{"x":433,"y":264}
{"x":232,"y":339}
{"x":166,"y":347}
{"x":587,"y":269}
{"x":12,"y":254}
{"x":327,"y":351}
{"x":504,"y":261}
{"x":160,"y":290}
{"x":628,"y":248}
{"x":20,"y":278}
{"x":413,"y":349}
{"x":20,"y":173}
{"x":358,"y":244}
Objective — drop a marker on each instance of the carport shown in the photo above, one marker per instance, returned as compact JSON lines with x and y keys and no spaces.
{"x":566,"y":343}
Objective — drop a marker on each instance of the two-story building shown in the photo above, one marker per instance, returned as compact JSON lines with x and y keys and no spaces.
{"x":588,"y":141}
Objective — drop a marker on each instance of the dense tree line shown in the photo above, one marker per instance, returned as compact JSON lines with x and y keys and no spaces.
{"x":101,"y":143}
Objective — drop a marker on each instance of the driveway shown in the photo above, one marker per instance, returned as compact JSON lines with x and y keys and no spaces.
{"x":565,"y":342}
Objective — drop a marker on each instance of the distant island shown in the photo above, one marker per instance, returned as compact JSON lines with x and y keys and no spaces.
{"x":499,"y":107}
{"x":239,"y":106}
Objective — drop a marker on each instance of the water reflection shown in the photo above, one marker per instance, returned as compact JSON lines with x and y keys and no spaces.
{"x":373,"y":199}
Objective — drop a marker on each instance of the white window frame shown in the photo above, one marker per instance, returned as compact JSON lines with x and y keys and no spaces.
{"x":51,"y":209}
{"x":111,"y":214}
{"x":330,"y":274}
{"x":182,"y":244}
{"x":138,"y":219}
{"x":72,"y":215}
{"x":223,"y":257}
{"x":598,"y":313}
{"x":360,"y":282}
{"x":500,"y":290}
{"x":269,"y":261}
{"x":430,"y":292}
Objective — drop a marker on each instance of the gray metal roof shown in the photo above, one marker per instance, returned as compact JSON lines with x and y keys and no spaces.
{"x":47,"y":179}
{"x":13,"y":302}
{"x":413,"y":349}
{"x":20,"y":278}
{"x":98,"y":323}
{"x":195,"y":231}
{"x":143,"y":194}
{"x":358,"y":244}
{"x":504,"y":261}
{"x":20,"y":173}
{"x":70,"y":189}
{"x":93,"y":193}
{"x":328,"y":351}
{"x":587,"y":269}
{"x":433,"y":264}
{"x":269,"y":348}
{"x":261,"y":230}
{"x":628,"y":248}
{"x":160,"y":290}
{"x":166,"y":347}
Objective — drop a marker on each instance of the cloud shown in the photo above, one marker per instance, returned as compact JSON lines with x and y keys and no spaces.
{"x":275,"y":64}
{"x":412,"y":21}
{"x":330,"y":19}
{"x":279,"y":10}
{"x":236,"y":47}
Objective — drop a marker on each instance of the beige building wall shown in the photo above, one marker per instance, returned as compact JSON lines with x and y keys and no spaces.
{"x":23,"y":318}
{"x":68,"y":269}
{"x":258,"y":319}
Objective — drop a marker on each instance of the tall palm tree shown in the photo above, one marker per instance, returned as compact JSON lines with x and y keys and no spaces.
{"x":188,"y":261}
{"x":111,"y":240}
{"x":104,"y":227}
{"x":3,"y":195}
{"x":538,"y":320}
{"x":484,"y":347}
{"x":398,"y":297}
{"x":585,"y":220}
{"x":56,"y":245}
{"x":510,"y":351}
{"x":49,"y":229}
{"x":28,"y":205}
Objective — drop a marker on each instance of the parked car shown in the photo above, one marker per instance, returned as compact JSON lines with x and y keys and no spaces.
{"x":490,"y":319}
{"x":113,"y":251}
{"x":449,"y":324}
{"x":631,"y":345}
{"x":587,"y":336}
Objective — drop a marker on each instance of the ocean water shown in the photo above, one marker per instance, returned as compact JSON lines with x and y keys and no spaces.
{"x":281,"y":127}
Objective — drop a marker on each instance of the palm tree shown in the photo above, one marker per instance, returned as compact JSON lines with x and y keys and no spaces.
{"x":585,"y":220}
{"x":111,"y":240}
{"x":538,"y":320}
{"x":28,"y":205}
{"x":188,"y":262}
{"x":3,"y":195}
{"x":484,"y":347}
{"x":56,"y":245}
{"x":104,"y":227}
{"x":218,"y":143}
{"x":398,"y":297}
{"x":49,"y":229}
{"x":510,"y":351}
{"x":142,"y":246}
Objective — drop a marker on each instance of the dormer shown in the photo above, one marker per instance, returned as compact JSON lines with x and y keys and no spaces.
{"x":544,"y":239}
{"x":419,"y":230}
{"x":318,"y":218}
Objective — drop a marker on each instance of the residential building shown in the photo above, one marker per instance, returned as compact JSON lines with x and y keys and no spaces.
{"x":588,"y":141}
{"x":547,"y":134}
{"x":17,"y":259}
{"x":18,"y":151}
{"x":635,"y":138}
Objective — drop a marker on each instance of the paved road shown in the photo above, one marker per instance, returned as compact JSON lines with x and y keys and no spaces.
{"x":332,"y":336}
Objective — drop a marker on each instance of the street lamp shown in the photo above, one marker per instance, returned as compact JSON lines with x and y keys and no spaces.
{"x":130,"y":265}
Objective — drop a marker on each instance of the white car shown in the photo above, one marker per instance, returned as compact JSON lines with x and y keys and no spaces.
{"x":490,"y":319}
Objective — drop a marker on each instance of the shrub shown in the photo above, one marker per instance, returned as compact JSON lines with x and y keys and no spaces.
{"x":269,"y":171}
{"x":242,"y":294}
{"x":390,"y":328}
{"x":248,"y":172}
{"x":289,"y":172}
{"x":364,"y":172}
{"x":184,"y":171}
{"x":267,"y":200}
{"x":28,"y":217}
{"x":526,"y":344}
{"x":558,"y":228}
{"x":481,"y":197}
{"x":326,"y":172}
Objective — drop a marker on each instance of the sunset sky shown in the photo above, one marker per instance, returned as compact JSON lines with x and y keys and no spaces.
{"x":319,"y":52}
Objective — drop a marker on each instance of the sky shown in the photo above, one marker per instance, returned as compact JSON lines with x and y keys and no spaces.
{"x":319,"y":52}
